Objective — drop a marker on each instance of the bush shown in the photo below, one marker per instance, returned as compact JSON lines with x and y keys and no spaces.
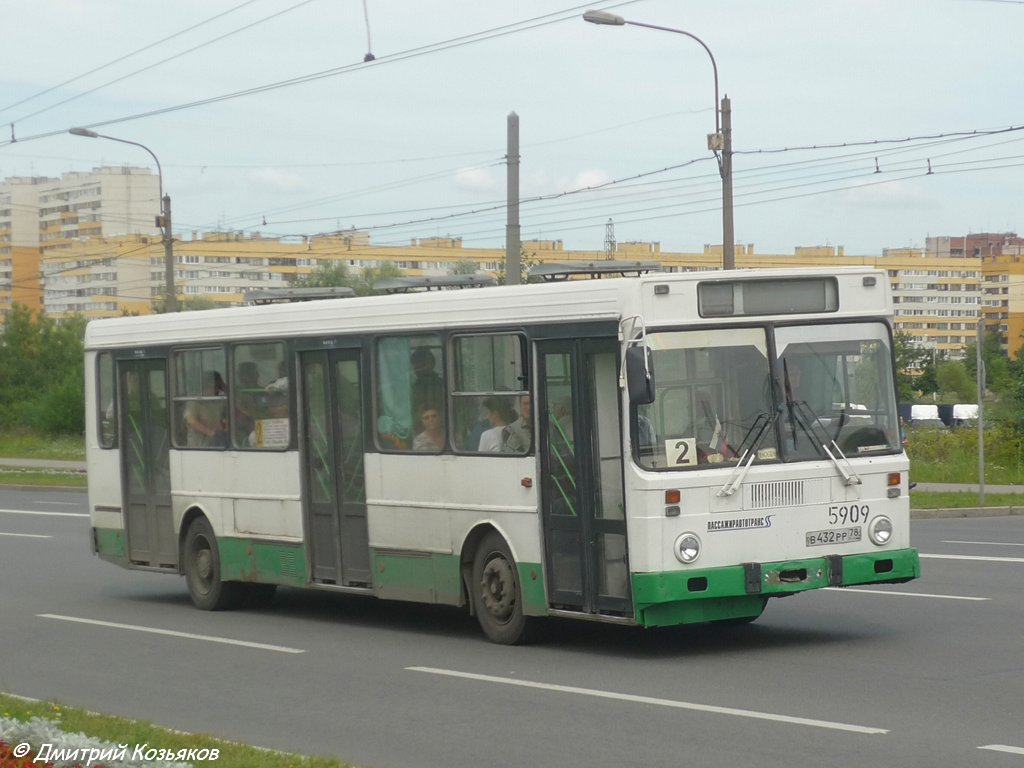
{"x":952,"y":456}
{"x":59,"y":410}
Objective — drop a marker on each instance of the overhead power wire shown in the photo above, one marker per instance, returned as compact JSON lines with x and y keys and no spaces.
{"x":878,"y":142}
{"x":444,"y":45}
{"x":158,"y":63}
{"x":672,"y":185}
{"x":127,"y":56}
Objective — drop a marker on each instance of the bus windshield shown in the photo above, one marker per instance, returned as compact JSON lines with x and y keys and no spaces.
{"x":720,"y":396}
{"x":836,"y":389}
{"x":713,"y":395}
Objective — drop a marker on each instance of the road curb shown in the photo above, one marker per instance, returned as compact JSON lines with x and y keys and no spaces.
{"x":935,"y":514}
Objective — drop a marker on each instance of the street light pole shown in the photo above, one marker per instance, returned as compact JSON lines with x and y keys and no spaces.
{"x":163,"y":221}
{"x":719,"y":141}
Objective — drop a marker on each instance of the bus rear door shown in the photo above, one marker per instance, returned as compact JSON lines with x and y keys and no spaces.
{"x":332,"y":458}
{"x":145,"y":457}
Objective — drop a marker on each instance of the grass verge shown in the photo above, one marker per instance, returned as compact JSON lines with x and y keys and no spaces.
{"x":121,"y":731}
{"x":41,"y":478}
{"x":962,"y":499}
{"x":27,"y":445}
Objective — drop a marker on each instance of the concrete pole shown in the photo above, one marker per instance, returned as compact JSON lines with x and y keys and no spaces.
{"x":981,"y":412}
{"x":728,"y":239}
{"x":513,"y":260}
{"x":171,"y":300}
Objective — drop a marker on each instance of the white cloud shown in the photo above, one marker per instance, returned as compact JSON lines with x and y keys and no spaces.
{"x":889,"y":196}
{"x":593,"y":177}
{"x":276,"y":180}
{"x":477,"y":180}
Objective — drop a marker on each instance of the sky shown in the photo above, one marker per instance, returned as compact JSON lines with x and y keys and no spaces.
{"x":867,"y":124}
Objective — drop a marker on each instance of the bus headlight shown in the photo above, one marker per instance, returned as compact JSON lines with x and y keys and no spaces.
{"x":687,"y":548}
{"x":880,"y":530}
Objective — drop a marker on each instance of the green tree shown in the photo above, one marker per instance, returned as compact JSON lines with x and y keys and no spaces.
{"x":954,"y":383}
{"x":463,"y":268}
{"x":41,"y":379}
{"x":908,"y":356}
{"x":928,"y":382}
{"x":190,"y":304}
{"x":527,"y":261}
{"x":337,"y":274}
{"x":330,"y":275}
{"x":999,"y":374}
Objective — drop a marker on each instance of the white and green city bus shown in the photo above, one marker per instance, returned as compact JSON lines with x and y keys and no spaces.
{"x":652,"y":450}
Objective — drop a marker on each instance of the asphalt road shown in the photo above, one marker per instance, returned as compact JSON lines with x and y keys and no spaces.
{"x":927,"y":674}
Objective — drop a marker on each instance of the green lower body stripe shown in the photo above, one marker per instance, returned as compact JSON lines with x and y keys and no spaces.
{"x":660,"y":599}
{"x":715,"y":594}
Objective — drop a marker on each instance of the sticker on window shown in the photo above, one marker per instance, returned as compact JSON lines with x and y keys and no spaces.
{"x":681,"y":452}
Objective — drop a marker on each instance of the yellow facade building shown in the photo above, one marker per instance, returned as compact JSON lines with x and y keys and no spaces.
{"x":937,"y":298}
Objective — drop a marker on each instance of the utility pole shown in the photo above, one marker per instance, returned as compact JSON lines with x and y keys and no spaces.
{"x":728,"y":239}
{"x":981,"y":411}
{"x":171,"y":300}
{"x":513,"y":260}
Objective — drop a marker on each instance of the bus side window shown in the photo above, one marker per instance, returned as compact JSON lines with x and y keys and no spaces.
{"x":491,"y":406}
{"x":410,"y":382}
{"x":200,"y":398}
{"x":106,"y":391}
{"x":259,"y":397}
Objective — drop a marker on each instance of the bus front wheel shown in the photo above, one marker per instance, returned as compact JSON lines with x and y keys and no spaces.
{"x":202,"y":570}
{"x":497,"y":599}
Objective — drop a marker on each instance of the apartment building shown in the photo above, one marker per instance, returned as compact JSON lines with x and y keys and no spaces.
{"x":40,"y":215}
{"x":938,"y":299}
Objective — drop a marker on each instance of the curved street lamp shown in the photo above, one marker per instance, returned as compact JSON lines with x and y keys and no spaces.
{"x":163,"y":220}
{"x":719,"y":141}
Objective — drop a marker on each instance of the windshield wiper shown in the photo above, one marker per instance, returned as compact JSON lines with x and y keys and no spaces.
{"x":735,"y":479}
{"x":798,"y":414}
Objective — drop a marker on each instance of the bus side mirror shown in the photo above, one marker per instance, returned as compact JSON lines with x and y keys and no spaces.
{"x":640,"y":375}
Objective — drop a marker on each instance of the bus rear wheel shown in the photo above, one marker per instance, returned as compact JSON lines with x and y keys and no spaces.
{"x":497,"y":598}
{"x":202,"y":570}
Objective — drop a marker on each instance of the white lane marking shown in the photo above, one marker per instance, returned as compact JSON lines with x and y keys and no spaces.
{"x":989,"y":543}
{"x":60,"y":503}
{"x":1004,"y":748}
{"x":972,"y":557}
{"x":903,"y":594}
{"x":27,"y":535}
{"x":46,"y":514}
{"x":172,"y":633}
{"x":656,"y":702}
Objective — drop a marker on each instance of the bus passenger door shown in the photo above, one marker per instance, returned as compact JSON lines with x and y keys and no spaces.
{"x":146,"y":467}
{"x":581,"y":464}
{"x":332,"y":458}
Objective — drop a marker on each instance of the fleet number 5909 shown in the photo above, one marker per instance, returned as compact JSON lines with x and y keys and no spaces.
{"x":845,"y":514}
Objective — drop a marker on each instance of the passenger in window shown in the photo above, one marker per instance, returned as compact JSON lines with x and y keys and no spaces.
{"x":277,"y":393}
{"x":430,"y":438}
{"x":476,"y":431}
{"x":518,"y":435}
{"x":205,"y":420}
{"x":280,"y":384}
{"x":500,"y":414}
{"x":427,"y":385}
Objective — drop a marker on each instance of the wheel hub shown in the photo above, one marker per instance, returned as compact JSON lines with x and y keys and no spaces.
{"x":498,"y":588}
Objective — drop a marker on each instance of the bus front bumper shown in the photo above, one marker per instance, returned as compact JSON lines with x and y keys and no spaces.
{"x":741,"y":591}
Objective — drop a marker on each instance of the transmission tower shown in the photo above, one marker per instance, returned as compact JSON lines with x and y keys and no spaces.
{"x":609,"y":240}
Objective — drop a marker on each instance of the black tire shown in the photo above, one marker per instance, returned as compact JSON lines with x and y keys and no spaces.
{"x":202,"y":570}
{"x":497,"y":598}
